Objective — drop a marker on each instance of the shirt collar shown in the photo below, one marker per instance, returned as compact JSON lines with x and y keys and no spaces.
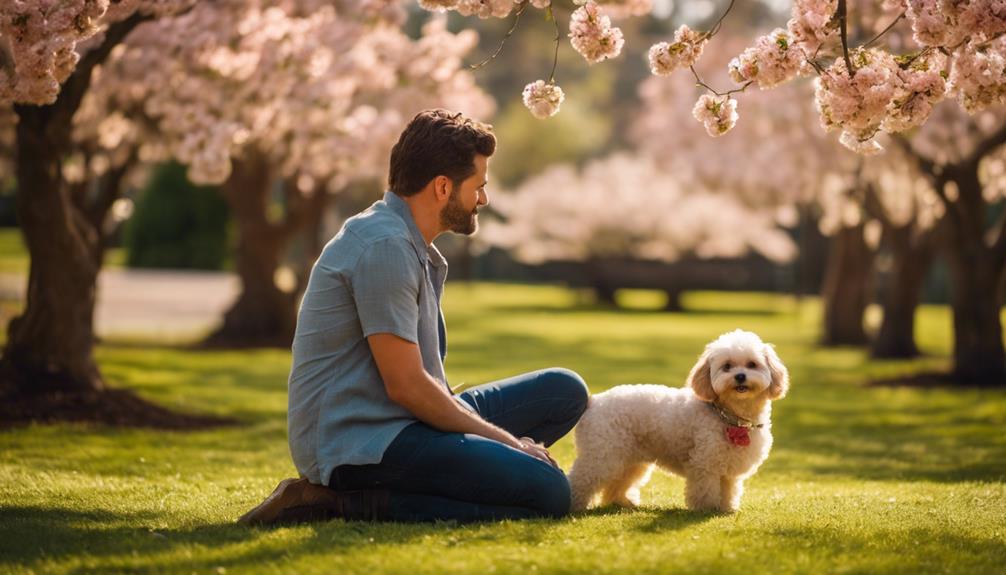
{"x":400,"y":207}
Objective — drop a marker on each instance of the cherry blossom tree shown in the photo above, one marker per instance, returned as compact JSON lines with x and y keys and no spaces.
{"x":858,"y":206}
{"x":625,"y":207}
{"x":68,"y":71}
{"x":252,"y":100}
{"x":962,"y":157}
{"x":48,"y":53}
{"x":808,"y":175}
{"x":863,"y":86}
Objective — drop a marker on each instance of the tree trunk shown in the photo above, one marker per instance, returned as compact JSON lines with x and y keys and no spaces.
{"x":263,"y":314}
{"x":50,"y":345}
{"x":600,"y":282}
{"x":911,"y":258}
{"x":673,"y":300}
{"x":979,"y":356}
{"x":846,"y":289}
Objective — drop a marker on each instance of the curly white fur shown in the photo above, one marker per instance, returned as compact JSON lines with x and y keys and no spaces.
{"x":630,"y":428}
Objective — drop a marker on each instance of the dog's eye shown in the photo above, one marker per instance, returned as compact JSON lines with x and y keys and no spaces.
{"x":752,"y":365}
{"x":727,"y":366}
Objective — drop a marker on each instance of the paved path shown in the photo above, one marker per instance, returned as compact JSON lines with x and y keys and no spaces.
{"x":162,"y":305}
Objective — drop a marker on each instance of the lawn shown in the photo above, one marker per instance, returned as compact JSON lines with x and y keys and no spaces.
{"x":862,"y":479}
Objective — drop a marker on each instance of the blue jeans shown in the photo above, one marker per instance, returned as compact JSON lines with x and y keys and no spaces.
{"x":432,"y":475}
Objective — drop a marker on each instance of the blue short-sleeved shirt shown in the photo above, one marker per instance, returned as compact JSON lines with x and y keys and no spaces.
{"x":377,"y":275}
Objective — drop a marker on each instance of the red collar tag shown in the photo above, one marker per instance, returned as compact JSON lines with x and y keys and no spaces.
{"x":738,"y":436}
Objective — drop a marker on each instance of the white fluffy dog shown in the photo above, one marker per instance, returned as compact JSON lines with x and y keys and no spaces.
{"x":715,"y":432}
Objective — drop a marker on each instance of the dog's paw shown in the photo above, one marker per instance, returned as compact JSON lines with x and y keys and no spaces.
{"x":629,"y":501}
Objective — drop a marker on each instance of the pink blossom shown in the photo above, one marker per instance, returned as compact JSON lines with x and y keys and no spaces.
{"x":811,"y":23}
{"x":438,"y":5}
{"x":978,"y":76}
{"x":717,"y":113}
{"x":930,"y":25}
{"x":773,"y":60}
{"x":920,"y":86}
{"x":686,"y":49}
{"x":592,"y":34}
{"x":543,"y":99}
{"x":857,"y":105}
{"x":485,"y":8}
{"x":982,"y":19}
{"x":38,"y":41}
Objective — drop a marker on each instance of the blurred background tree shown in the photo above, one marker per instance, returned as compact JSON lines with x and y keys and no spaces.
{"x":177,"y":225}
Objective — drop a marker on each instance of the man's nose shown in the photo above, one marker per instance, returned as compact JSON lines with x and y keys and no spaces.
{"x":483,"y":198}
{"x":741,"y":378}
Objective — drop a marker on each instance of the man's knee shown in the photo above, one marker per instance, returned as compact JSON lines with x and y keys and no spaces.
{"x":567,"y":383}
{"x":552,"y":495}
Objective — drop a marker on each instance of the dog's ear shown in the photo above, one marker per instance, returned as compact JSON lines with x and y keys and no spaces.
{"x":700,"y":379}
{"x":780,"y":375}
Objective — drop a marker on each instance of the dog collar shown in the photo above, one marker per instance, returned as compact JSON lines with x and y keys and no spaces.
{"x":732,"y":419}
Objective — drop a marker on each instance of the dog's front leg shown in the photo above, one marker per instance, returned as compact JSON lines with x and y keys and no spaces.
{"x":731,"y":489}
{"x":703,"y":491}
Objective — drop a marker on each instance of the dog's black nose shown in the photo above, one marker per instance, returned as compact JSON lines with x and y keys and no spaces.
{"x":741,"y":378}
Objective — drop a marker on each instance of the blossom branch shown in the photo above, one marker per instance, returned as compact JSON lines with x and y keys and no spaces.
{"x":841,"y":12}
{"x":885,"y":30}
{"x":555,"y":57}
{"x":699,"y":82}
{"x":516,"y":21}
{"x":716,"y":27}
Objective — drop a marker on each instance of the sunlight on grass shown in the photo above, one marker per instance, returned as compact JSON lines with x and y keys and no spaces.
{"x":14,"y":254}
{"x":862,"y":479}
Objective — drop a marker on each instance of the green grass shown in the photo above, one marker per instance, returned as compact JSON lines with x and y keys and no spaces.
{"x":14,"y":255}
{"x":861,"y":479}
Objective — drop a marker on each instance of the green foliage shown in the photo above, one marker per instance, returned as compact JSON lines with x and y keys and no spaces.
{"x":177,"y":224}
{"x":529,"y":145}
{"x":861,"y":479}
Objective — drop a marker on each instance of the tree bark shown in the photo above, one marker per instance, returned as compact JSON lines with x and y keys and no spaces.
{"x":975,"y":272}
{"x":911,"y":257}
{"x":846,"y":289}
{"x":263,"y":314}
{"x":50,"y":345}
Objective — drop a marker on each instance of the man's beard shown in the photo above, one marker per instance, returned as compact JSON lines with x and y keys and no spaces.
{"x":456,"y":218}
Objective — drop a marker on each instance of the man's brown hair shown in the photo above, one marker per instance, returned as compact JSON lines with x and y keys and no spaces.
{"x":437,"y":143}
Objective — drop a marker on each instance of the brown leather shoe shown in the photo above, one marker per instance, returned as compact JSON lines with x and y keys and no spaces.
{"x":294,"y":501}
{"x":300,"y":501}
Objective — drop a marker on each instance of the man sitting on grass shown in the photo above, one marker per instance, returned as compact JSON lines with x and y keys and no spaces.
{"x":374,"y":429}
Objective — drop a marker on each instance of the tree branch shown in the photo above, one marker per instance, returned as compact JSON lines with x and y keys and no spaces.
{"x":841,"y":11}
{"x":986,"y":147}
{"x":516,"y":21}
{"x":73,"y":90}
{"x":109,"y":190}
{"x":885,"y":30}
{"x":874,"y":207}
{"x":301,"y":207}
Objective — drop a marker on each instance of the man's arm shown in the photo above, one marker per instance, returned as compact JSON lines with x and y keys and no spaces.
{"x":409,"y":385}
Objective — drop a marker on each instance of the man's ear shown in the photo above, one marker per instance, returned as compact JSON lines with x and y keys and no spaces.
{"x":780,"y":375}
{"x":442,"y":188}
{"x":700,"y":379}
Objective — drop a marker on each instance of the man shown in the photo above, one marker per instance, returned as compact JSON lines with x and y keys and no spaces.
{"x":370,"y":413}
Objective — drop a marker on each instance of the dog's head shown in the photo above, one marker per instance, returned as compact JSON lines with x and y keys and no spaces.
{"x":738,"y":365}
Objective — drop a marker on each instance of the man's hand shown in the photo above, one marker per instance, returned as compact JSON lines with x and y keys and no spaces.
{"x":537,"y":450}
{"x":408,"y":385}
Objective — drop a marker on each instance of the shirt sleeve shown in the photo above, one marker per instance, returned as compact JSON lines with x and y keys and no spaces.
{"x":386,"y":282}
